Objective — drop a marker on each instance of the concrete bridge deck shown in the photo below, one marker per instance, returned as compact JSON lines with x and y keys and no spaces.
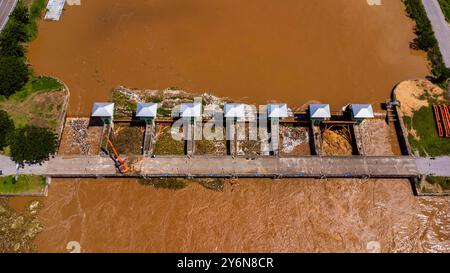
{"x":228,"y":167}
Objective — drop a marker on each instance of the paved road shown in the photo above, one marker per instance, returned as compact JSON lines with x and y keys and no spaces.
{"x":439,"y":166}
{"x":204,"y":166}
{"x":199,"y":166}
{"x":8,"y":167}
{"x":440,"y":26}
{"x":6,"y":7}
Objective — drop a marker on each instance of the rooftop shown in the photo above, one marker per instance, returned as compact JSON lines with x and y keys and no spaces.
{"x":54,"y":9}
{"x":191,"y":110}
{"x":277,"y":111}
{"x":319,"y":111}
{"x":147,"y":110}
{"x":362,"y":111}
{"x":234,"y":110}
{"x":103,"y":109}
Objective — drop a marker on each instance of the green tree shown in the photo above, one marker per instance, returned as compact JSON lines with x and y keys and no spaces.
{"x":32,"y":145}
{"x":14,"y":32}
{"x":13,"y":75}
{"x":21,"y":14}
{"x":6,"y":127}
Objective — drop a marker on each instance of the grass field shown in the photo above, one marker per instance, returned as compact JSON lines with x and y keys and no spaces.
{"x":428,"y":142}
{"x":38,"y":103}
{"x":443,"y":182}
{"x":26,"y":184}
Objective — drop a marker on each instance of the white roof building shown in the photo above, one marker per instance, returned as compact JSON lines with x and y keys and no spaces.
{"x":234,"y":110}
{"x":277,"y":111}
{"x":361,"y":111}
{"x":319,"y":111}
{"x":54,"y":9}
{"x":191,"y":110}
{"x":147,"y":110}
{"x":103,"y":110}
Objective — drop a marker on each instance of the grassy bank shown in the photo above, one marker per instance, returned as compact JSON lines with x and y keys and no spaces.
{"x":214,"y":184}
{"x":445,"y":6}
{"x":443,"y":182}
{"x":38,"y":103}
{"x":426,"y":140}
{"x":36,"y":8}
{"x":426,"y":40}
{"x":26,"y":184}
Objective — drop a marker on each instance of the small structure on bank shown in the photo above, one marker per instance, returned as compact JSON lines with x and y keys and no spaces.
{"x":360,"y":112}
{"x":148,"y":113}
{"x":104,"y":111}
{"x":191,"y":110}
{"x":232,"y":113}
{"x":319,"y":113}
{"x":277,"y":111}
{"x":54,"y":9}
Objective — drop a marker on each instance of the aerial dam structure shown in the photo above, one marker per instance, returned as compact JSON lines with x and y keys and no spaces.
{"x":231,"y":164}
{"x":238,"y":167}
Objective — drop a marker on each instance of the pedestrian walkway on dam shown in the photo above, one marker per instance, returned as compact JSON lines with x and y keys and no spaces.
{"x":239,"y":167}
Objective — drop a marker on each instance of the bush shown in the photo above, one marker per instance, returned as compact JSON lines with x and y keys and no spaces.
{"x":6,"y":127}
{"x":13,"y":75}
{"x":31,"y":144}
{"x":20,"y":14}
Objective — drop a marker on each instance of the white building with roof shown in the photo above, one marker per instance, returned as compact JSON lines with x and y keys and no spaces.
{"x":191,"y":110}
{"x":54,"y":9}
{"x":147,"y":110}
{"x":277,"y":111}
{"x":103,"y":110}
{"x":361,"y":111}
{"x":234,"y":110}
{"x":319,"y":111}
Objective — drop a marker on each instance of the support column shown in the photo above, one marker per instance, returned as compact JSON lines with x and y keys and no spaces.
{"x":148,"y":137}
{"x":316,"y":139}
{"x":231,"y":136}
{"x":189,"y":136}
{"x":274,"y":136}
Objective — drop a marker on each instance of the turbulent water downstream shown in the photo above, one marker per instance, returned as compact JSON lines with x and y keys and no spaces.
{"x":336,"y":51}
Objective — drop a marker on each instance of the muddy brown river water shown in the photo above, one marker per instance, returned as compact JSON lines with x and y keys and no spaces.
{"x":335,"y":51}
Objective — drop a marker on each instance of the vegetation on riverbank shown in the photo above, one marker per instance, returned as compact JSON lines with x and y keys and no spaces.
{"x":445,"y":6}
{"x":443,"y":182}
{"x":20,"y":29}
{"x":416,"y":100}
{"x":426,"y":40}
{"x":33,"y":103}
{"x":214,"y":184}
{"x":31,"y":145}
{"x":25,"y":184}
{"x":18,"y":231}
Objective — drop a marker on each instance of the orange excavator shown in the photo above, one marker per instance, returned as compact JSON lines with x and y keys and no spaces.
{"x":121,"y":165}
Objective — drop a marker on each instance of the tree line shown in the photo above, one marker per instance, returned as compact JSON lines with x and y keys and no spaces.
{"x":14,"y":71}
{"x":426,"y":40}
{"x":28,"y":144}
